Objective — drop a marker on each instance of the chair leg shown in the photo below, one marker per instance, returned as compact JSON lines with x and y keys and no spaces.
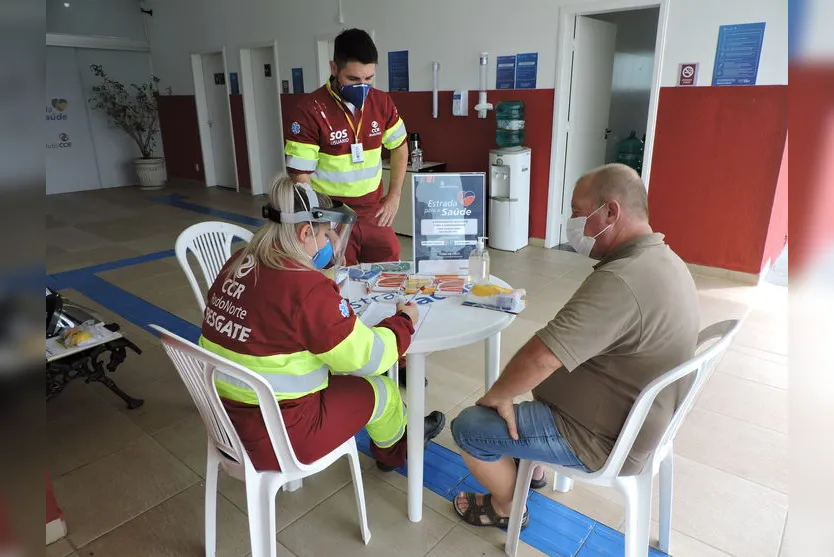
{"x":637,"y":492}
{"x":261,"y":511}
{"x":562,"y":483}
{"x":359,"y":492}
{"x":667,"y":478}
{"x":212,"y":466}
{"x":522,"y":487}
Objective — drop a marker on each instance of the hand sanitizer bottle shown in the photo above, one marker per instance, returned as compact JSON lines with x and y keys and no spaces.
{"x":479,"y":263}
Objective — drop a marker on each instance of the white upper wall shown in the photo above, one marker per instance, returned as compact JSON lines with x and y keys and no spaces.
{"x":109,"y":18}
{"x":693,"y":35}
{"x":451,"y":32}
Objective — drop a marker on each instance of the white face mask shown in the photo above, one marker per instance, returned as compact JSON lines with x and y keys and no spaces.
{"x":576,"y":234}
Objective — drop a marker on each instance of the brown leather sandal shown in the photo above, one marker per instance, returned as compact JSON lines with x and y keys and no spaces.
{"x":475,"y":512}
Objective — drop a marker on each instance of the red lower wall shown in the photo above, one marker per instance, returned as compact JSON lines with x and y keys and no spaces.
{"x":715,"y":169}
{"x":463,"y":143}
{"x":244,"y":178}
{"x":53,"y":511}
{"x":777,"y":233}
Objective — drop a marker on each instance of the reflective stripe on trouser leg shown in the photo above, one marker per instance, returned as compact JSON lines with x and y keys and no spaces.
{"x":387,"y":423}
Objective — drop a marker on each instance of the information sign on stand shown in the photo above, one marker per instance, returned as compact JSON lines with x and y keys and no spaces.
{"x":448,"y":218}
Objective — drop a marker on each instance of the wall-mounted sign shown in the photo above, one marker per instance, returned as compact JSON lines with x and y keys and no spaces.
{"x":298,"y":80}
{"x":447,"y":221}
{"x":285,"y":86}
{"x":398,"y":70}
{"x":688,"y":74}
{"x":526,"y":68}
{"x":220,"y":78}
{"x":234,"y":84}
{"x":505,"y":72}
{"x":267,"y":70}
{"x":738,"y":53}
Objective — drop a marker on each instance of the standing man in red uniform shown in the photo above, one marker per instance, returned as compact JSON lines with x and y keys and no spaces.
{"x":335,"y":139}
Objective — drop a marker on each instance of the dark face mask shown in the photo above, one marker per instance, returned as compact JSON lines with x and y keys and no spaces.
{"x":355,"y":93}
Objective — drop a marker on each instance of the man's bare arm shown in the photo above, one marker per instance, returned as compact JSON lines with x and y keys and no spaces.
{"x":530,"y":366}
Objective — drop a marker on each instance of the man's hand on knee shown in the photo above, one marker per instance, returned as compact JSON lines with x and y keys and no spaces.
{"x":505,"y":409}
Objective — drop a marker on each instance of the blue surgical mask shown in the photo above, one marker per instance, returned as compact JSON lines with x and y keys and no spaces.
{"x":323,"y":256}
{"x":355,"y":93}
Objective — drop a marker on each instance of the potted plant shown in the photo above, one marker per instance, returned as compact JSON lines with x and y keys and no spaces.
{"x":134,"y":112}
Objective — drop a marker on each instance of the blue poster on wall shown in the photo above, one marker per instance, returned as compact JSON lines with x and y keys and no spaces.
{"x":234,"y":84}
{"x":505,"y":72}
{"x":526,"y":68}
{"x":297,"y":80}
{"x":448,"y":217}
{"x":398,"y":70}
{"x":738,"y":53}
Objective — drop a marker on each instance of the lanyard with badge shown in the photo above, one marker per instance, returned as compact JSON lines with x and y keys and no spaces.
{"x":357,"y":152}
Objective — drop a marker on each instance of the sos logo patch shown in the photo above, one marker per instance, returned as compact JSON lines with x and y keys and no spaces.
{"x":339,"y":137}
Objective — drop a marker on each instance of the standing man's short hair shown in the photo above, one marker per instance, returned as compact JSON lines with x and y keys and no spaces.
{"x":354,"y":45}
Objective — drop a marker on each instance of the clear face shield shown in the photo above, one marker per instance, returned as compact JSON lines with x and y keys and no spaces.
{"x":339,"y":218}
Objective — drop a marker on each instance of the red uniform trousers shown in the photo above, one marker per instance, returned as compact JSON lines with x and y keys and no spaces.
{"x":369,"y":242}
{"x":316,"y":424}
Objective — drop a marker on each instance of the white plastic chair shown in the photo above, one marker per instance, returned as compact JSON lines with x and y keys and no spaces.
{"x":636,"y":490}
{"x":211,"y":243}
{"x":197,"y":368}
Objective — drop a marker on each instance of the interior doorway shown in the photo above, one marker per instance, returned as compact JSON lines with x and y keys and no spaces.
{"x":609,"y":61}
{"x":214,"y":116}
{"x":262,"y":109}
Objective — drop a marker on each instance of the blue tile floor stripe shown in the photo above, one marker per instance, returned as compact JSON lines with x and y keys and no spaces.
{"x":554,"y":529}
{"x":178,"y":201}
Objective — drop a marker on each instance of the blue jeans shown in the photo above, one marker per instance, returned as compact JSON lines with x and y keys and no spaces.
{"x":483,"y":434}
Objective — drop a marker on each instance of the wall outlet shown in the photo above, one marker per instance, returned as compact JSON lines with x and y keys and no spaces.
{"x":197,"y":167}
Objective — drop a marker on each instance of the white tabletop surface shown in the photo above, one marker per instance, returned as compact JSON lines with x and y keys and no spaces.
{"x":448,"y":324}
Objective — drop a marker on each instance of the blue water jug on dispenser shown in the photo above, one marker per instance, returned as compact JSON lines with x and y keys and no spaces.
{"x":509,"y":116}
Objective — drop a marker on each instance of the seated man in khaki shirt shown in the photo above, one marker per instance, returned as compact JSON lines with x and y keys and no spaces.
{"x":634,"y":318}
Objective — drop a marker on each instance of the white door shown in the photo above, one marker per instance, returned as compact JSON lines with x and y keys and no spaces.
{"x":219,"y":120}
{"x":590,"y":103}
{"x":267,"y":105}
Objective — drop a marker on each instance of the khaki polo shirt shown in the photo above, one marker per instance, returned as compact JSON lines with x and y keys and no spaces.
{"x":633,"y":319}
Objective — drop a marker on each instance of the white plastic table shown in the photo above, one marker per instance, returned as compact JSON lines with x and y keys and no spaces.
{"x":447,"y":325}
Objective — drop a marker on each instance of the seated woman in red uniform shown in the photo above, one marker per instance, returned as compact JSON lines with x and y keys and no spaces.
{"x":273,"y":311}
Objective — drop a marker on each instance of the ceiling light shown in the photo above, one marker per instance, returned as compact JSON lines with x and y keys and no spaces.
{"x":66,"y":4}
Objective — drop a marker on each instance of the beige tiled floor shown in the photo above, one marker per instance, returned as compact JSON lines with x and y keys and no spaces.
{"x":130,"y":481}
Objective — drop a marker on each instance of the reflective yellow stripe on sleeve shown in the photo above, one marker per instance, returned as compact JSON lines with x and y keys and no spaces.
{"x":395,"y":135}
{"x":301,"y":156}
{"x":364,"y":352}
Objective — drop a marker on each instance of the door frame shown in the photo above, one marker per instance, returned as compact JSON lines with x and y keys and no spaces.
{"x":561,"y":102}
{"x":209,"y":168}
{"x":250,"y":112}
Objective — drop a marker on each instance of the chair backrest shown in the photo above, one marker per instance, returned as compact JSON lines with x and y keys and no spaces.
{"x":211,"y":243}
{"x":702,"y":365}
{"x":198,"y":369}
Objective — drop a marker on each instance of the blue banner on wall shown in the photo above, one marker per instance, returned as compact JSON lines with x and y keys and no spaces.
{"x":526,"y":68}
{"x":738,"y":53}
{"x":398,"y":70}
{"x":297,"y":80}
{"x":234,"y":84}
{"x":505,"y":72}
{"x":448,"y":219}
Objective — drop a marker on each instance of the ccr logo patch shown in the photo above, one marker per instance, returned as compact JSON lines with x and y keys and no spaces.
{"x":295,"y":128}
